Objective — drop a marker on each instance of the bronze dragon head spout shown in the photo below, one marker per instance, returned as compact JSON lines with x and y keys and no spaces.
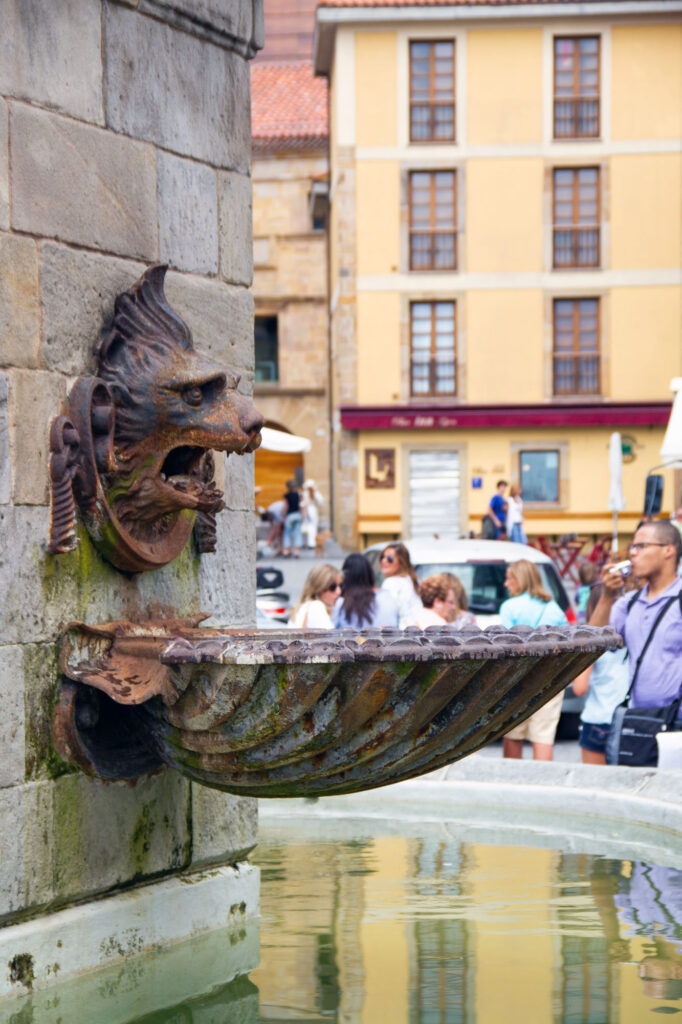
{"x":140,"y":467}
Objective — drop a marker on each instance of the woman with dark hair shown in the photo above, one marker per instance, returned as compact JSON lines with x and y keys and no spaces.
{"x":361,"y":605}
{"x":400,"y":580}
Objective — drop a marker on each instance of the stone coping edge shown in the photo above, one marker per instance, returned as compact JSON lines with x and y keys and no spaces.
{"x":59,"y":947}
{"x":483,"y":787}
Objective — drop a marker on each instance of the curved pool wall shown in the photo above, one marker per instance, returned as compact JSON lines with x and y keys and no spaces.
{"x":637,"y":811}
{"x":74,"y":238}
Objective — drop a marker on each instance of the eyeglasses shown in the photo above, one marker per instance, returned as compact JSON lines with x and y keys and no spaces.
{"x":335,"y":586}
{"x":647,"y":544}
{"x":388,"y":558}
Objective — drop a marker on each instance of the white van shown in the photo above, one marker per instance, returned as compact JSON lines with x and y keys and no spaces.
{"x":481,"y":565}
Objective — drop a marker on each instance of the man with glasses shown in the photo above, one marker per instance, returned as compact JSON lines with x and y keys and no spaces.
{"x":655,"y":554}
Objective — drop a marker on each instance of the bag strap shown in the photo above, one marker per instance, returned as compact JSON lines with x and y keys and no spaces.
{"x":671,"y":600}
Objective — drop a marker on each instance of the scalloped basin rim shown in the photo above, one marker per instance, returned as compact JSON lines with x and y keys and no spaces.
{"x":302,"y":713}
{"x":295,"y":646}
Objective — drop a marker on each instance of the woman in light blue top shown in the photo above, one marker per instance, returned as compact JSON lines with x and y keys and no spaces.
{"x":531,"y":605}
{"x":606,"y":684}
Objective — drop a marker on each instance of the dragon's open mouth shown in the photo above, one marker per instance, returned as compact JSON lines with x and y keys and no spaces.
{"x":188,"y":472}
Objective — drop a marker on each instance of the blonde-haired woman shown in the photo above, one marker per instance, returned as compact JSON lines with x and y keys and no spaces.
{"x":321,"y":591}
{"x":461,"y":616}
{"x":400,"y":580}
{"x":531,"y":605}
{"x":515,"y":530}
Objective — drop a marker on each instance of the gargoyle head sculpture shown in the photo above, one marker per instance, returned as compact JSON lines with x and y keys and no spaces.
{"x":142,"y":466}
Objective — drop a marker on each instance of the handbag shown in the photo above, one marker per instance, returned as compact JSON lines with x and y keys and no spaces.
{"x":632,"y":736}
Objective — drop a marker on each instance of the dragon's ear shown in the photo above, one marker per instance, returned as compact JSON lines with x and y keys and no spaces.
{"x":142,"y":316}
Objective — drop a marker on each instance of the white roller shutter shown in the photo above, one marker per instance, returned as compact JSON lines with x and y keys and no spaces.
{"x":434,"y":493}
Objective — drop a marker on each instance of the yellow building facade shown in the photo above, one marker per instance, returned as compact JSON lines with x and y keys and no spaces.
{"x":436,"y":925}
{"x":505,"y":240}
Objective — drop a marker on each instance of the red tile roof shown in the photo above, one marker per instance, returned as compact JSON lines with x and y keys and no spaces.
{"x":288,"y":106}
{"x":436,"y":3}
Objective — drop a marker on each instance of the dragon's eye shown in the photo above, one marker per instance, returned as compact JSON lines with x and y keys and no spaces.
{"x":193,"y":396}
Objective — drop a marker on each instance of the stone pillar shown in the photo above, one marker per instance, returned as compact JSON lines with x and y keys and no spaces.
{"x":124,"y":140}
{"x":345,"y":349}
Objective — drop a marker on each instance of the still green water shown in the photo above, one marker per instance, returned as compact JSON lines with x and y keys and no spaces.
{"x":373,"y":922}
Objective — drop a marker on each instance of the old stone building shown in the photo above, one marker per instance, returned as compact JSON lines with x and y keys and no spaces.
{"x":290,"y":269}
{"x":124,"y":142}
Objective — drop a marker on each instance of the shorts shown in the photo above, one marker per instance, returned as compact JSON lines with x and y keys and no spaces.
{"x":541,"y":726}
{"x":593,"y":736}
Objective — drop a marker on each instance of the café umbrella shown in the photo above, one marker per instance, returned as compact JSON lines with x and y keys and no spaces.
{"x":616,"y":499}
{"x":671,"y":450}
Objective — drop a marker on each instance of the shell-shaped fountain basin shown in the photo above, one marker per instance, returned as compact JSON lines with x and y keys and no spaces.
{"x":293,"y":713}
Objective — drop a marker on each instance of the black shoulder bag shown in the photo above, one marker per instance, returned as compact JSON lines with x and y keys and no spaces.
{"x":632,"y":737}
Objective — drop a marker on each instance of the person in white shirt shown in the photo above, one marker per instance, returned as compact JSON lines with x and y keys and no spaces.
{"x":515,"y":530}
{"x":400,"y":580}
{"x":321,"y":591}
{"x":312,"y":502}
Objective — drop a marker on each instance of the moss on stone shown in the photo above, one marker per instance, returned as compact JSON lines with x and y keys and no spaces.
{"x":41,"y":690}
{"x":141,"y":840}
{"x":68,"y":823}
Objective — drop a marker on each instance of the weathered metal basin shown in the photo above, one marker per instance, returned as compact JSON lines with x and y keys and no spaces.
{"x":297,"y":713}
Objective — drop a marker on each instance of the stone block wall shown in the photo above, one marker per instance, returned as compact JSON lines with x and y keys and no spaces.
{"x":290,"y":282}
{"x":124,"y":141}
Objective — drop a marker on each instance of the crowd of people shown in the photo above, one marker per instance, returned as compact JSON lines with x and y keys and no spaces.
{"x":644,"y":605}
{"x":294,"y":519}
{"x":349,"y":598}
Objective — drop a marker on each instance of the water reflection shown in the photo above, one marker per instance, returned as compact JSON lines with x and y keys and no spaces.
{"x":372,"y":922}
{"x":432,"y":928}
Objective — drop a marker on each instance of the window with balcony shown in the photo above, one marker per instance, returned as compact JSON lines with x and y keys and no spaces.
{"x":432,"y":91}
{"x":576,"y":347}
{"x":267,"y":362}
{"x":576,"y":87}
{"x":433,"y":356}
{"x":576,"y":217}
{"x":433,"y":204}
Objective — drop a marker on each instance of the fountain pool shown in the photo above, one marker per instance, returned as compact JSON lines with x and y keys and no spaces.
{"x":367,"y":920}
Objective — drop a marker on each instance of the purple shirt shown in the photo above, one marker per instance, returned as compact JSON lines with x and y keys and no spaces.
{"x":660,"y":675}
{"x":650,"y":902}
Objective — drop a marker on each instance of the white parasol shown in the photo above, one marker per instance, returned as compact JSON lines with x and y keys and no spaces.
{"x":671,"y":451}
{"x":616,"y":499}
{"x":280,"y":441}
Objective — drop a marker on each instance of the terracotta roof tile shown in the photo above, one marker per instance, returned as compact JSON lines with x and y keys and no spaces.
{"x":288,"y":104}
{"x":436,"y":3}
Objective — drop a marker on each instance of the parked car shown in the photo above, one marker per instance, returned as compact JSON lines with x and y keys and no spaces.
{"x":481,"y":565}
{"x":264,"y":621}
{"x":270,"y":601}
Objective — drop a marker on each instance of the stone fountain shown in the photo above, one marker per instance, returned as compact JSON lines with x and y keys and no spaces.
{"x":250,"y":712}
